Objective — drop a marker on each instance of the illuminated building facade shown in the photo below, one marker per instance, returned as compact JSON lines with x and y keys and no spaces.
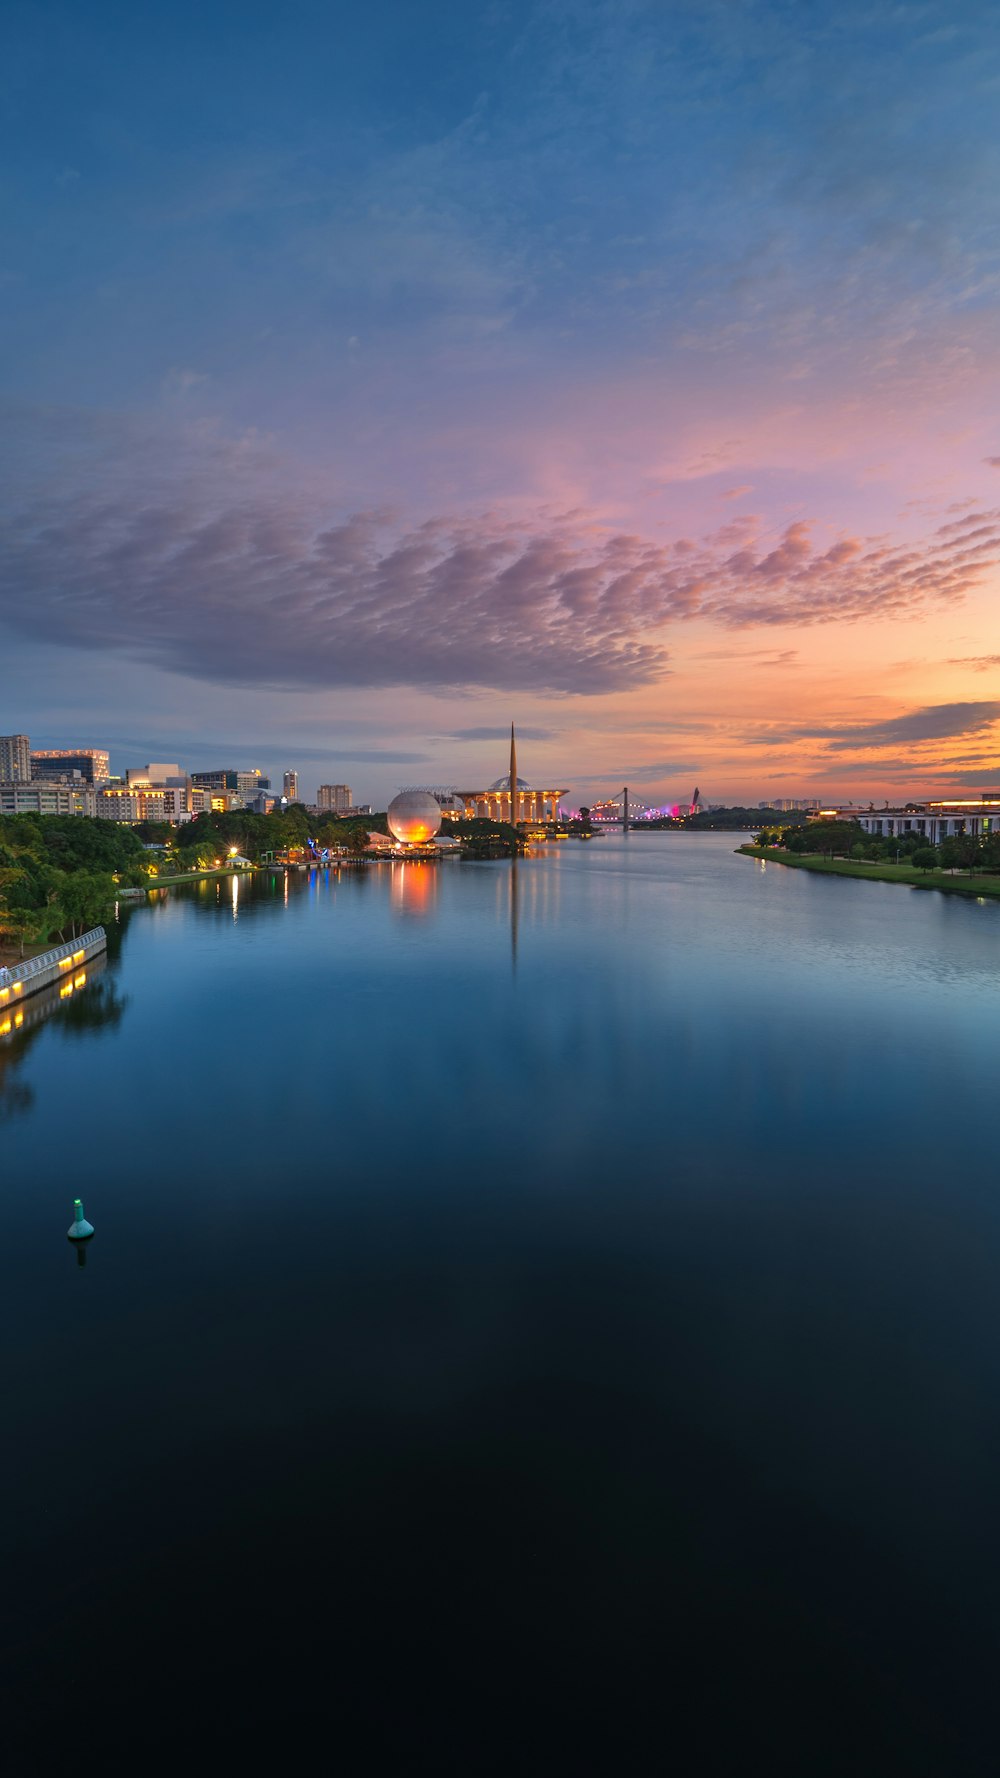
{"x":290,"y":786}
{"x":158,"y":772}
{"x":934,"y":820}
{"x":231,"y":789}
{"x":222,"y":782}
{"x":524,"y":805}
{"x":145,"y":802}
{"x":92,"y":763}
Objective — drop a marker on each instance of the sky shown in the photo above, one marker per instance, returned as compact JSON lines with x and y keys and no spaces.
{"x":375,"y":376}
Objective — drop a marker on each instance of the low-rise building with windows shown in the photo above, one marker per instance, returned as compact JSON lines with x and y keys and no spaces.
{"x":935,"y":820}
{"x":144,"y":802}
{"x":45,"y":798}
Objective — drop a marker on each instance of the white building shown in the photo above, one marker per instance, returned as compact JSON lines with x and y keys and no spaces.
{"x":934,"y":820}
{"x":150,"y":802}
{"x":47,"y":799}
{"x":157,"y":772}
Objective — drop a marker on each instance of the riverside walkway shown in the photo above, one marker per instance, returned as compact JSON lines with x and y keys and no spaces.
{"x":51,"y":966}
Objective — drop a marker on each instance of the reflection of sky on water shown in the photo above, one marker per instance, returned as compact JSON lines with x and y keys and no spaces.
{"x":87,"y":1001}
{"x":651,"y":1282}
{"x":656,"y":979}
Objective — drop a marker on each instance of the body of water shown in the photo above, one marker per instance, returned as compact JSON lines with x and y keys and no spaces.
{"x":541,"y":1319}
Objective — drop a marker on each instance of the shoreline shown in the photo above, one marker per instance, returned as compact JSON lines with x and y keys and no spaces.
{"x":979,"y":887}
{"x":198,"y":876}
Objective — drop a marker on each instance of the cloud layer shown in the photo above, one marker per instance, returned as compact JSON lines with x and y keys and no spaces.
{"x":258,"y":591}
{"x":934,"y":723}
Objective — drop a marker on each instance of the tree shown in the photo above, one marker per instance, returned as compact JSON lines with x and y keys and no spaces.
{"x":18,"y":928}
{"x":830,"y":838}
{"x":84,"y":897}
{"x":925,"y":858}
{"x":991,"y":852}
{"x":960,"y":852}
{"x":737,"y":817}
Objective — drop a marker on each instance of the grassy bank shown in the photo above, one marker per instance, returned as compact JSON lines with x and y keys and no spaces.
{"x":196,"y":876}
{"x":879,"y":873}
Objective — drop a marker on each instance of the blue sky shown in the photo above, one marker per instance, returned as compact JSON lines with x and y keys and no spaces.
{"x":371,"y":375}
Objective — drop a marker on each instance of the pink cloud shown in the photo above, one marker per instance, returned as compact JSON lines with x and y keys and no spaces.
{"x":216,"y":577}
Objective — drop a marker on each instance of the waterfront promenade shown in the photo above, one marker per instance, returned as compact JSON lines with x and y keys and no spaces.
{"x":35,"y":973}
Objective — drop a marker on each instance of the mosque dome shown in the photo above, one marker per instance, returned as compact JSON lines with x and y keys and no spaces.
{"x":504,"y":783}
{"x":414,"y":817}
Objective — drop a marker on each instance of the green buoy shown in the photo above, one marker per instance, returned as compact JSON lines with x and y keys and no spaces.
{"x":81,"y":1229}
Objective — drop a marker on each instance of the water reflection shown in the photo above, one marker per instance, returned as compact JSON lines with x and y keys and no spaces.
{"x":638,"y":1296}
{"x":413,"y":886}
{"x":89,"y":1002}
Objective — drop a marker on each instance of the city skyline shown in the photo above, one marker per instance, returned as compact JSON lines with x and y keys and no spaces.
{"x":42,"y":764}
{"x":632,"y":370}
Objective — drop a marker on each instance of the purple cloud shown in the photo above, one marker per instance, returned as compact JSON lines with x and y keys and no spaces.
{"x":232,"y":586}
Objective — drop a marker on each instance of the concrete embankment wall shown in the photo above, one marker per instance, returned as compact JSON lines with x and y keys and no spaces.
{"x":52,"y":966}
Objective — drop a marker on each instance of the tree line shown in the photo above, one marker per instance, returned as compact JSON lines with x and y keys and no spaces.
{"x":59,"y":873}
{"x":729,"y":820}
{"x":848,"y":839}
{"x":209,"y":838}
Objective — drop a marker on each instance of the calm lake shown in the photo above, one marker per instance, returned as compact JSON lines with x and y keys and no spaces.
{"x":541,"y":1319}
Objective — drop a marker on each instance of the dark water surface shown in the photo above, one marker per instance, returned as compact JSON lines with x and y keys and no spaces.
{"x":539,"y":1322}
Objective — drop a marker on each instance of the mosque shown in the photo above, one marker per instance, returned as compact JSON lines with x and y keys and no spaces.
{"x":416,"y":814}
{"x":497,"y":803}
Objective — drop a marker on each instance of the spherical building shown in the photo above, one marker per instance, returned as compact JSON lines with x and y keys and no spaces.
{"x":414,"y":817}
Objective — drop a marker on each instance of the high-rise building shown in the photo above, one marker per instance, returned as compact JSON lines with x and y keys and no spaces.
{"x":248,"y":784}
{"x":92,"y":763}
{"x":220,"y":780}
{"x":15,"y":759}
{"x":290,"y":786}
{"x":243,"y":786}
{"x":334,"y":799}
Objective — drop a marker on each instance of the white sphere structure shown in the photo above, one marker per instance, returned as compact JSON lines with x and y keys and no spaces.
{"x":414,"y":817}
